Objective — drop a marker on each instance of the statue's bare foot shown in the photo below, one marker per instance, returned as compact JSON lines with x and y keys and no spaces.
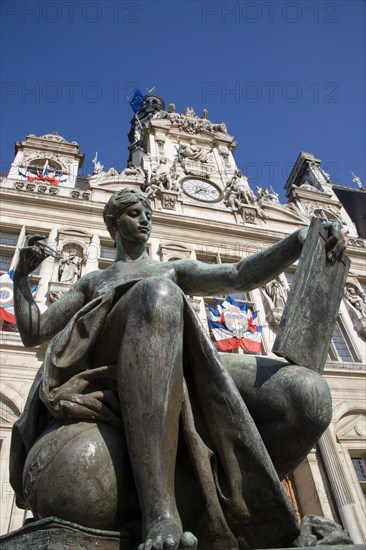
{"x":167,"y":535}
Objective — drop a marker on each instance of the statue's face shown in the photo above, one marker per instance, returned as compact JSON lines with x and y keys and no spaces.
{"x":134,"y":224}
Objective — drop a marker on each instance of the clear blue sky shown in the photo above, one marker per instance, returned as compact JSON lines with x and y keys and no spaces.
{"x":285,"y":76}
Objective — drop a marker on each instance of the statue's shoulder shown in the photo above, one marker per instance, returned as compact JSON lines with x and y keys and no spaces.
{"x":92,"y":280}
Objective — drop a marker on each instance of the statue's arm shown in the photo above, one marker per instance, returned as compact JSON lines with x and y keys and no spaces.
{"x":36,"y":327}
{"x":197,"y":278}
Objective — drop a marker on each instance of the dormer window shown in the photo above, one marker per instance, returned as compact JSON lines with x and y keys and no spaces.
{"x":44,"y":166}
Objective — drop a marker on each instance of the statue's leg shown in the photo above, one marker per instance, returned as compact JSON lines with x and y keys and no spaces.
{"x":148,"y":323}
{"x":290,"y":405}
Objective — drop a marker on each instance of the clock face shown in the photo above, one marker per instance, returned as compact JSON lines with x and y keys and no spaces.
{"x":201,"y":190}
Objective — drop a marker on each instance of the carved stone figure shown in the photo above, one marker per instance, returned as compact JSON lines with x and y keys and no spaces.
{"x":356,"y":305}
{"x":160,"y":140}
{"x":98,"y":166}
{"x":231,"y":200}
{"x":151,"y":190}
{"x":224,"y":153}
{"x":264,"y":196}
{"x":132,"y":170}
{"x":355,"y":298}
{"x":189,"y":122}
{"x":160,"y":175}
{"x":274,"y":302}
{"x":112,"y":171}
{"x":70,"y":267}
{"x":276,"y":292}
{"x":192,"y":152}
{"x":135,"y":422}
{"x":238,"y":193}
{"x":171,"y":115}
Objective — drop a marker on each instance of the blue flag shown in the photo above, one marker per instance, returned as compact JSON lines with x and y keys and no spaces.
{"x":137,"y":100}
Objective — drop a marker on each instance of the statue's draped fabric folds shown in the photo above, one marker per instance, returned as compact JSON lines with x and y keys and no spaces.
{"x":239,"y":487}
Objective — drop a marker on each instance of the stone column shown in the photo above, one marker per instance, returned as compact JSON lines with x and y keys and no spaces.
{"x":92,"y":254}
{"x":346,"y":504}
{"x":47,"y":272}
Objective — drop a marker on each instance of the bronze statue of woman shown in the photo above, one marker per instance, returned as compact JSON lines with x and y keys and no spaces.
{"x":135,"y":422}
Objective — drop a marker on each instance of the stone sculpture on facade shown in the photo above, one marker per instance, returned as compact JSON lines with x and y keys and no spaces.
{"x":160,"y":179}
{"x":239,"y":196}
{"x":98,"y":166}
{"x":275,"y":300}
{"x":224,"y":153}
{"x":266,"y":196}
{"x":277,"y":293}
{"x":131,"y":386}
{"x":238,"y":192}
{"x":161,"y":175}
{"x":356,"y":302}
{"x":112,"y":172}
{"x":191,"y":151}
{"x":132,"y":170}
{"x":189,"y":122}
{"x":171,"y":115}
{"x":195,"y":160}
{"x":70,"y":267}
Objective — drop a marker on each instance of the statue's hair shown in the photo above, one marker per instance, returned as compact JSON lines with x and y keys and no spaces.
{"x":118,"y":203}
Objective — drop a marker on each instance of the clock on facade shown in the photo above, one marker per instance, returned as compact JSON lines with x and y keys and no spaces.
{"x":201,"y":190}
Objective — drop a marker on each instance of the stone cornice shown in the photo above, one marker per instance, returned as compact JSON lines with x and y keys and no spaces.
{"x":333,"y":369}
{"x":316,"y":196}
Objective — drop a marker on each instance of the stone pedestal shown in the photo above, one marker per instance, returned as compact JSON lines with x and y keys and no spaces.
{"x":56,"y":534}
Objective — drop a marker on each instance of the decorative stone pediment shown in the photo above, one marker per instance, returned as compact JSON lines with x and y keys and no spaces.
{"x":351,"y":427}
{"x":53,"y":137}
{"x":284,"y":213}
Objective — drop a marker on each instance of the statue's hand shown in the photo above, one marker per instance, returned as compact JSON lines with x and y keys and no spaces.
{"x":336,"y":243}
{"x":33,"y":254}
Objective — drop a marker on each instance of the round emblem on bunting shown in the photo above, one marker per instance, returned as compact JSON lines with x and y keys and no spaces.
{"x":6,"y":294}
{"x":237,"y":323}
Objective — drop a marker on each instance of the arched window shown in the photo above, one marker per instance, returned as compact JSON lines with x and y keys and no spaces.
{"x":38,"y":166}
{"x":351,"y":434}
{"x":9,"y":412}
{"x":327,"y":215}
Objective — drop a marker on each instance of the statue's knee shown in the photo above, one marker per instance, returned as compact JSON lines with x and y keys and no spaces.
{"x":161,"y":297}
{"x":311,"y":399}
